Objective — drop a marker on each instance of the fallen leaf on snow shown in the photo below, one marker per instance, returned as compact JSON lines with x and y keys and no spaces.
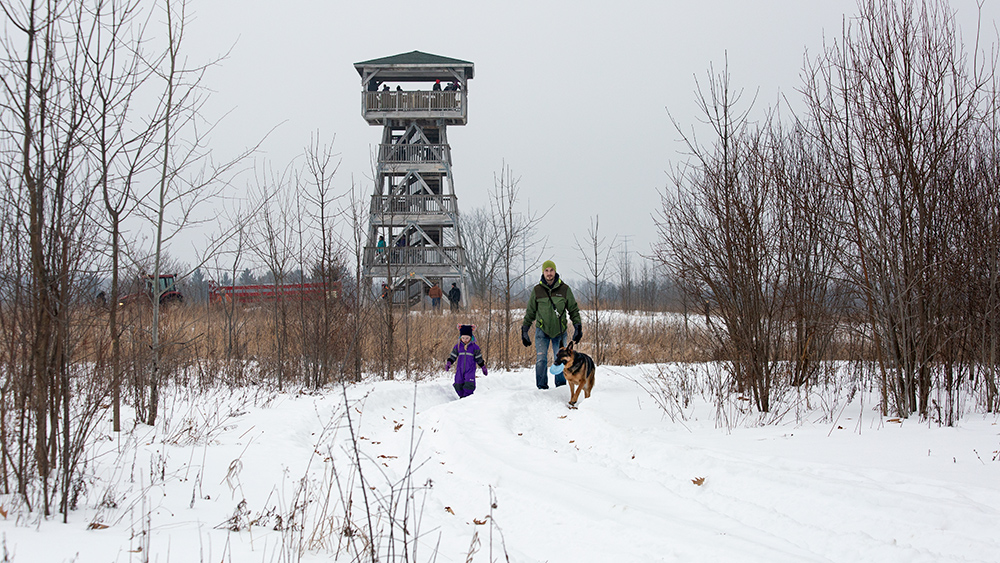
{"x":698,"y":481}
{"x":97,"y":526}
{"x":479,"y":522}
{"x":450,"y":511}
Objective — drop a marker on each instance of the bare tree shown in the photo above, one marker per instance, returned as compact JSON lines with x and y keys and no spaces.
{"x":719,"y":235}
{"x":481,"y":253}
{"x":985,"y":229}
{"x":812,"y":299}
{"x":359,"y":300}
{"x":334,"y":330}
{"x":187,"y":176}
{"x":514,"y":234}
{"x":595,"y":255}
{"x":626,"y":281}
{"x":892,"y":104}
{"x":969,"y":354}
{"x":122,"y":149}
{"x":388,"y":208}
{"x":45,"y":83}
{"x":272,"y":242}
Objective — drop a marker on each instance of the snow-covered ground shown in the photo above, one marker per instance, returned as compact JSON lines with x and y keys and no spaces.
{"x":255,"y":476}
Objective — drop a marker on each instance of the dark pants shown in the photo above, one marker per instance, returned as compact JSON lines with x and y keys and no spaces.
{"x":465,"y":383}
{"x":436,"y":303}
{"x":542,"y":344}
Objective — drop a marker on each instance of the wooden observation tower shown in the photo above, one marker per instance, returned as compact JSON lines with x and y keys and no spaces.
{"x":414,"y":97}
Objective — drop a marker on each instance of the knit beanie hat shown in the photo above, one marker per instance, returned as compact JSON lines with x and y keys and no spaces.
{"x":465,"y":329}
{"x":548,"y":264}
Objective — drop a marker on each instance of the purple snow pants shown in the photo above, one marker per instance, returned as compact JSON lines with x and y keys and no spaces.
{"x":465,"y":382}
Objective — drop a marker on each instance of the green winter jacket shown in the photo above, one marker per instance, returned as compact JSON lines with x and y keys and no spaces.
{"x":548,"y":305}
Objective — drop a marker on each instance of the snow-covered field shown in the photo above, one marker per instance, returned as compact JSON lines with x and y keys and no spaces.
{"x":511,"y":472}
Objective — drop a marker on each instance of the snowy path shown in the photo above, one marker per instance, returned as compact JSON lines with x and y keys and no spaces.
{"x":613,"y":481}
{"x":609,"y":482}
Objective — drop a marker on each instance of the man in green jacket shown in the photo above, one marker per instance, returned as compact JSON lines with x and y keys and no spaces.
{"x":548,"y":304}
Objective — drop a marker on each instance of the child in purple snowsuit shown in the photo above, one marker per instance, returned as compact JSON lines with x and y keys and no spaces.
{"x":468,"y":356}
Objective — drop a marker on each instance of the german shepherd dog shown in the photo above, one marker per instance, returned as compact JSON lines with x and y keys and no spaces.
{"x":579,"y":372}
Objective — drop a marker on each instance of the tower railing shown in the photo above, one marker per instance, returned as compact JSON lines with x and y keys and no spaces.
{"x":396,"y":101}
{"x":413,"y":154}
{"x":414,"y":255}
{"x":383,"y":205}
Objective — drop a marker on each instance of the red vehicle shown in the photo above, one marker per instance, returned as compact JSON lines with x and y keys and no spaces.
{"x":168,"y":288}
{"x":270,"y":292}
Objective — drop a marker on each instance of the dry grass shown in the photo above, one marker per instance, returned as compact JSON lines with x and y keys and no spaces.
{"x":426,"y":338}
{"x":244,"y":344}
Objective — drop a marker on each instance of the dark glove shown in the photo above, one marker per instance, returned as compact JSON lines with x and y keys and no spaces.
{"x":484,"y":370}
{"x":524,"y":336}
{"x":577,"y":333}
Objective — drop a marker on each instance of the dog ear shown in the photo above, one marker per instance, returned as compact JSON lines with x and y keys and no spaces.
{"x":570,"y":346}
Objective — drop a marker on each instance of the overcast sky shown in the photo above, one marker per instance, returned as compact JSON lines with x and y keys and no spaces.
{"x":572,"y":95}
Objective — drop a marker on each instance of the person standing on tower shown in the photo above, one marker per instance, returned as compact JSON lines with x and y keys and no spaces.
{"x":380,"y":248}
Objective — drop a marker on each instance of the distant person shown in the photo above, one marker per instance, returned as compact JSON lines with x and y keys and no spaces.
{"x":435,"y":293}
{"x":437,"y":85}
{"x":455,"y":297}
{"x":399,"y":88}
{"x":385,"y":87}
{"x":548,"y":304}
{"x":380,"y":248}
{"x":400,"y":243}
{"x":386,"y":293}
{"x":467,"y":355}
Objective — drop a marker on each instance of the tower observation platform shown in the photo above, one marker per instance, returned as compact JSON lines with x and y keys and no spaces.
{"x":414,"y":238}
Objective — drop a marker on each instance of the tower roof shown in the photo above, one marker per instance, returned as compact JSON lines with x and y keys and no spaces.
{"x":415,"y":65}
